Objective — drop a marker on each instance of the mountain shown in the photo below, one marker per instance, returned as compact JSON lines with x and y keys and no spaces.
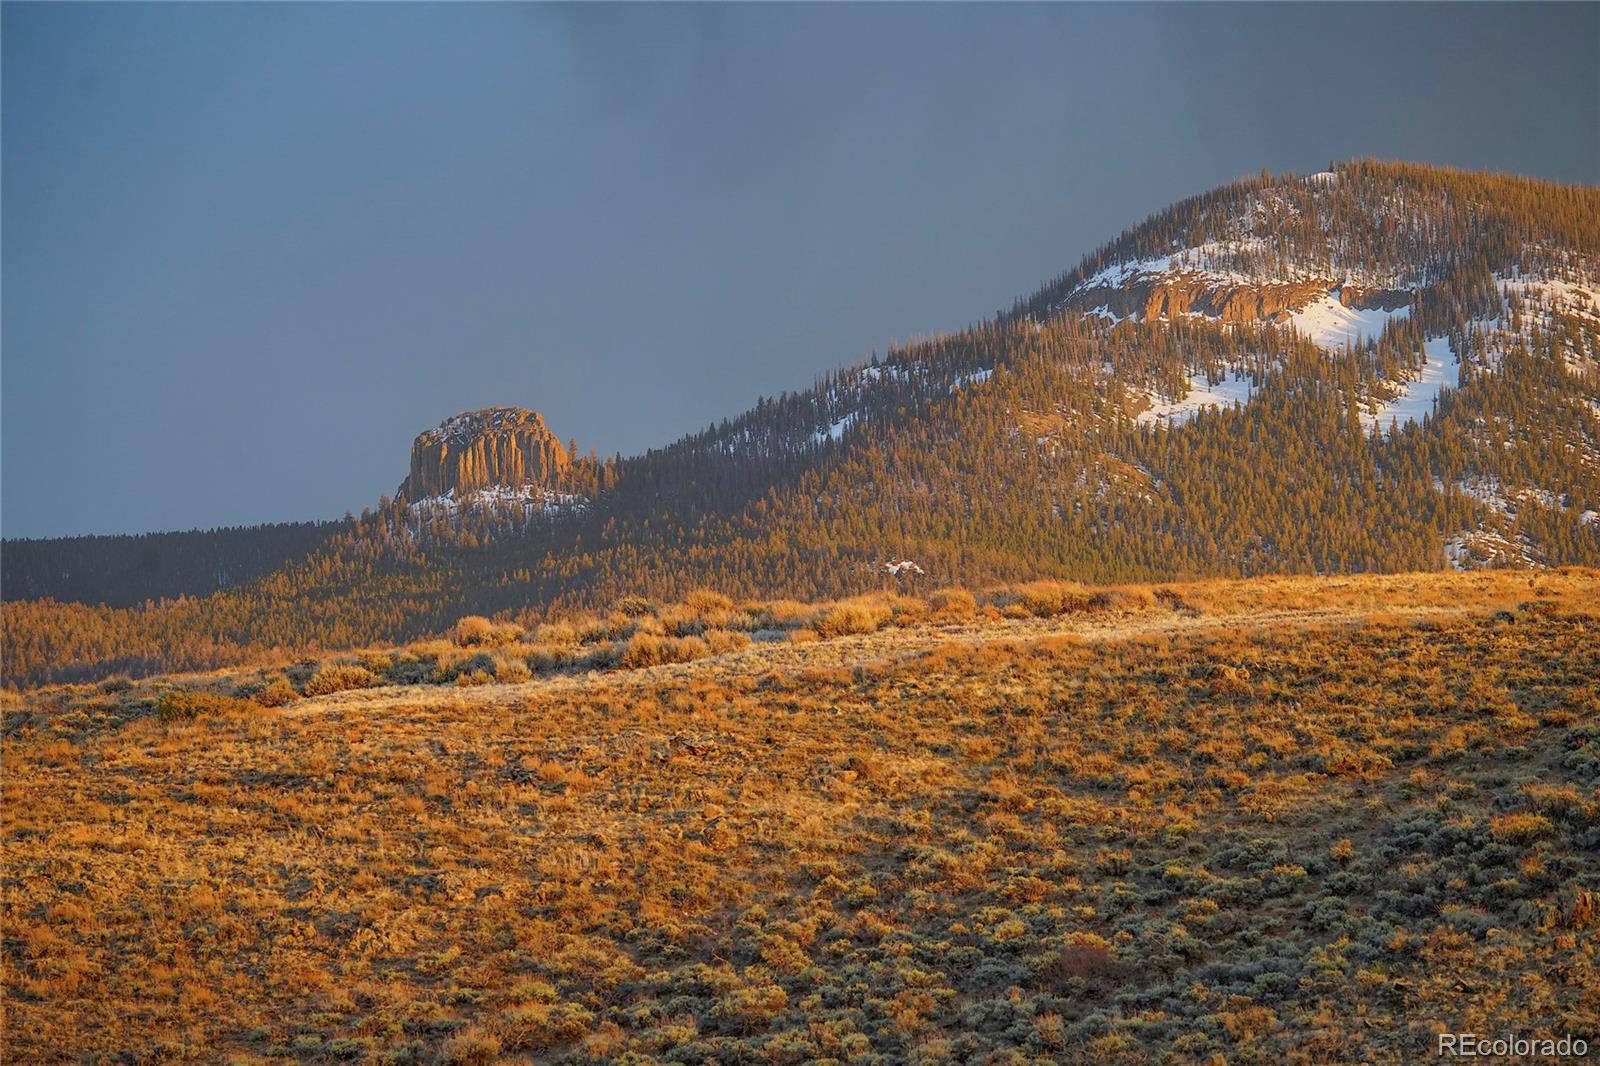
{"x":1381,"y":367}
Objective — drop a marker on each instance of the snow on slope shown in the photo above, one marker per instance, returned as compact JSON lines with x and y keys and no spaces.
{"x":1201,"y":259}
{"x":1440,"y":369}
{"x":529,"y":499}
{"x":835,"y":431}
{"x":872,"y":376}
{"x":1234,"y":388}
{"x":1328,"y":323}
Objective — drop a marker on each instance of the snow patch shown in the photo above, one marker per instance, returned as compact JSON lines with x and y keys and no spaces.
{"x":1327,"y":323}
{"x":1233,"y":388}
{"x":835,"y":431}
{"x":1440,"y":369}
{"x":1482,"y":549}
{"x":974,"y":377}
{"x":530,"y":500}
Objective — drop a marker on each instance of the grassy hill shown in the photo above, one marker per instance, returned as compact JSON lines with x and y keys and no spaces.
{"x":1269,"y":820}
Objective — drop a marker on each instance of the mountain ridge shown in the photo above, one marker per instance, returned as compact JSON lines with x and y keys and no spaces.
{"x":1413,"y":384}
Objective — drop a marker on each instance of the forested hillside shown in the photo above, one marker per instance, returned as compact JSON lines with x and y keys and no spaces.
{"x":1384,"y":367}
{"x":122,"y":570}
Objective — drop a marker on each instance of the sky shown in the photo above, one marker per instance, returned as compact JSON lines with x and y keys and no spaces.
{"x":248,"y":252}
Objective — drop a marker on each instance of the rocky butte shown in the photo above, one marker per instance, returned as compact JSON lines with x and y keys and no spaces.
{"x":506,"y":446}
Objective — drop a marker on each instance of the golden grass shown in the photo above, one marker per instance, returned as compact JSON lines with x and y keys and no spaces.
{"x":1315,"y":825}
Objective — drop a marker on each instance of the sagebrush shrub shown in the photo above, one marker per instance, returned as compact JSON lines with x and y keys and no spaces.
{"x":277,"y":693}
{"x":953,"y":603}
{"x":513,"y":671}
{"x":634,"y":606}
{"x":722,"y":641}
{"x":705,"y":601}
{"x":184,"y":704}
{"x":337,"y":677}
{"x":475,"y":631}
{"x":847,"y":619}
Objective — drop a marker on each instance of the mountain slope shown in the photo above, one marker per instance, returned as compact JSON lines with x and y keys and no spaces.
{"x":1384,"y":367}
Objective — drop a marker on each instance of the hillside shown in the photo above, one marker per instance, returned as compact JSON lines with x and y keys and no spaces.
{"x":1282,"y":820}
{"x":1379,"y":368}
{"x":127,"y":569}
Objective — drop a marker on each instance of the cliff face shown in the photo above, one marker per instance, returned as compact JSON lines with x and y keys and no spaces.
{"x":508,"y":446}
{"x":1150,"y":298}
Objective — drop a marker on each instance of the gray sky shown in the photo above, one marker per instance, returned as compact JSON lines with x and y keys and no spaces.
{"x":249,"y":251}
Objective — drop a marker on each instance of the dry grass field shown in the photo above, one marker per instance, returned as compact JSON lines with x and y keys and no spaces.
{"x":1284,"y":820}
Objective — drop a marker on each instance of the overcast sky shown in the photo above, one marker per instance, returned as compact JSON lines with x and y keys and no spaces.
{"x":250,"y":251}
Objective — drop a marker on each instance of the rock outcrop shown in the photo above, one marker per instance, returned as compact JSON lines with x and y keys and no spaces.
{"x":1374,"y":299}
{"x":498,"y":446}
{"x":1169,"y":295}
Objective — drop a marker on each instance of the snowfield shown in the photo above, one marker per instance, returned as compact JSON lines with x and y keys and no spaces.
{"x":1327,"y":323}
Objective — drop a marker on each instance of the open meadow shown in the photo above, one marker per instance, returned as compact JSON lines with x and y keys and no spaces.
{"x":1260,"y":821}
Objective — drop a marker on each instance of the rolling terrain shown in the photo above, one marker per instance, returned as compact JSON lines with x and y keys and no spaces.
{"x":1383,"y":367}
{"x":1281,"y":819}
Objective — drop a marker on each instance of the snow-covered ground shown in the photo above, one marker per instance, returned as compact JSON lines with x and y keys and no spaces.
{"x":1492,"y":494}
{"x":529,"y":499}
{"x":1440,"y":369}
{"x":1483,"y":549}
{"x":1199,"y":259}
{"x":1564,"y":296}
{"x":835,"y":431}
{"x":1234,"y":388}
{"x":972,"y":377}
{"x":1328,"y":323}
{"x":873,"y":376}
